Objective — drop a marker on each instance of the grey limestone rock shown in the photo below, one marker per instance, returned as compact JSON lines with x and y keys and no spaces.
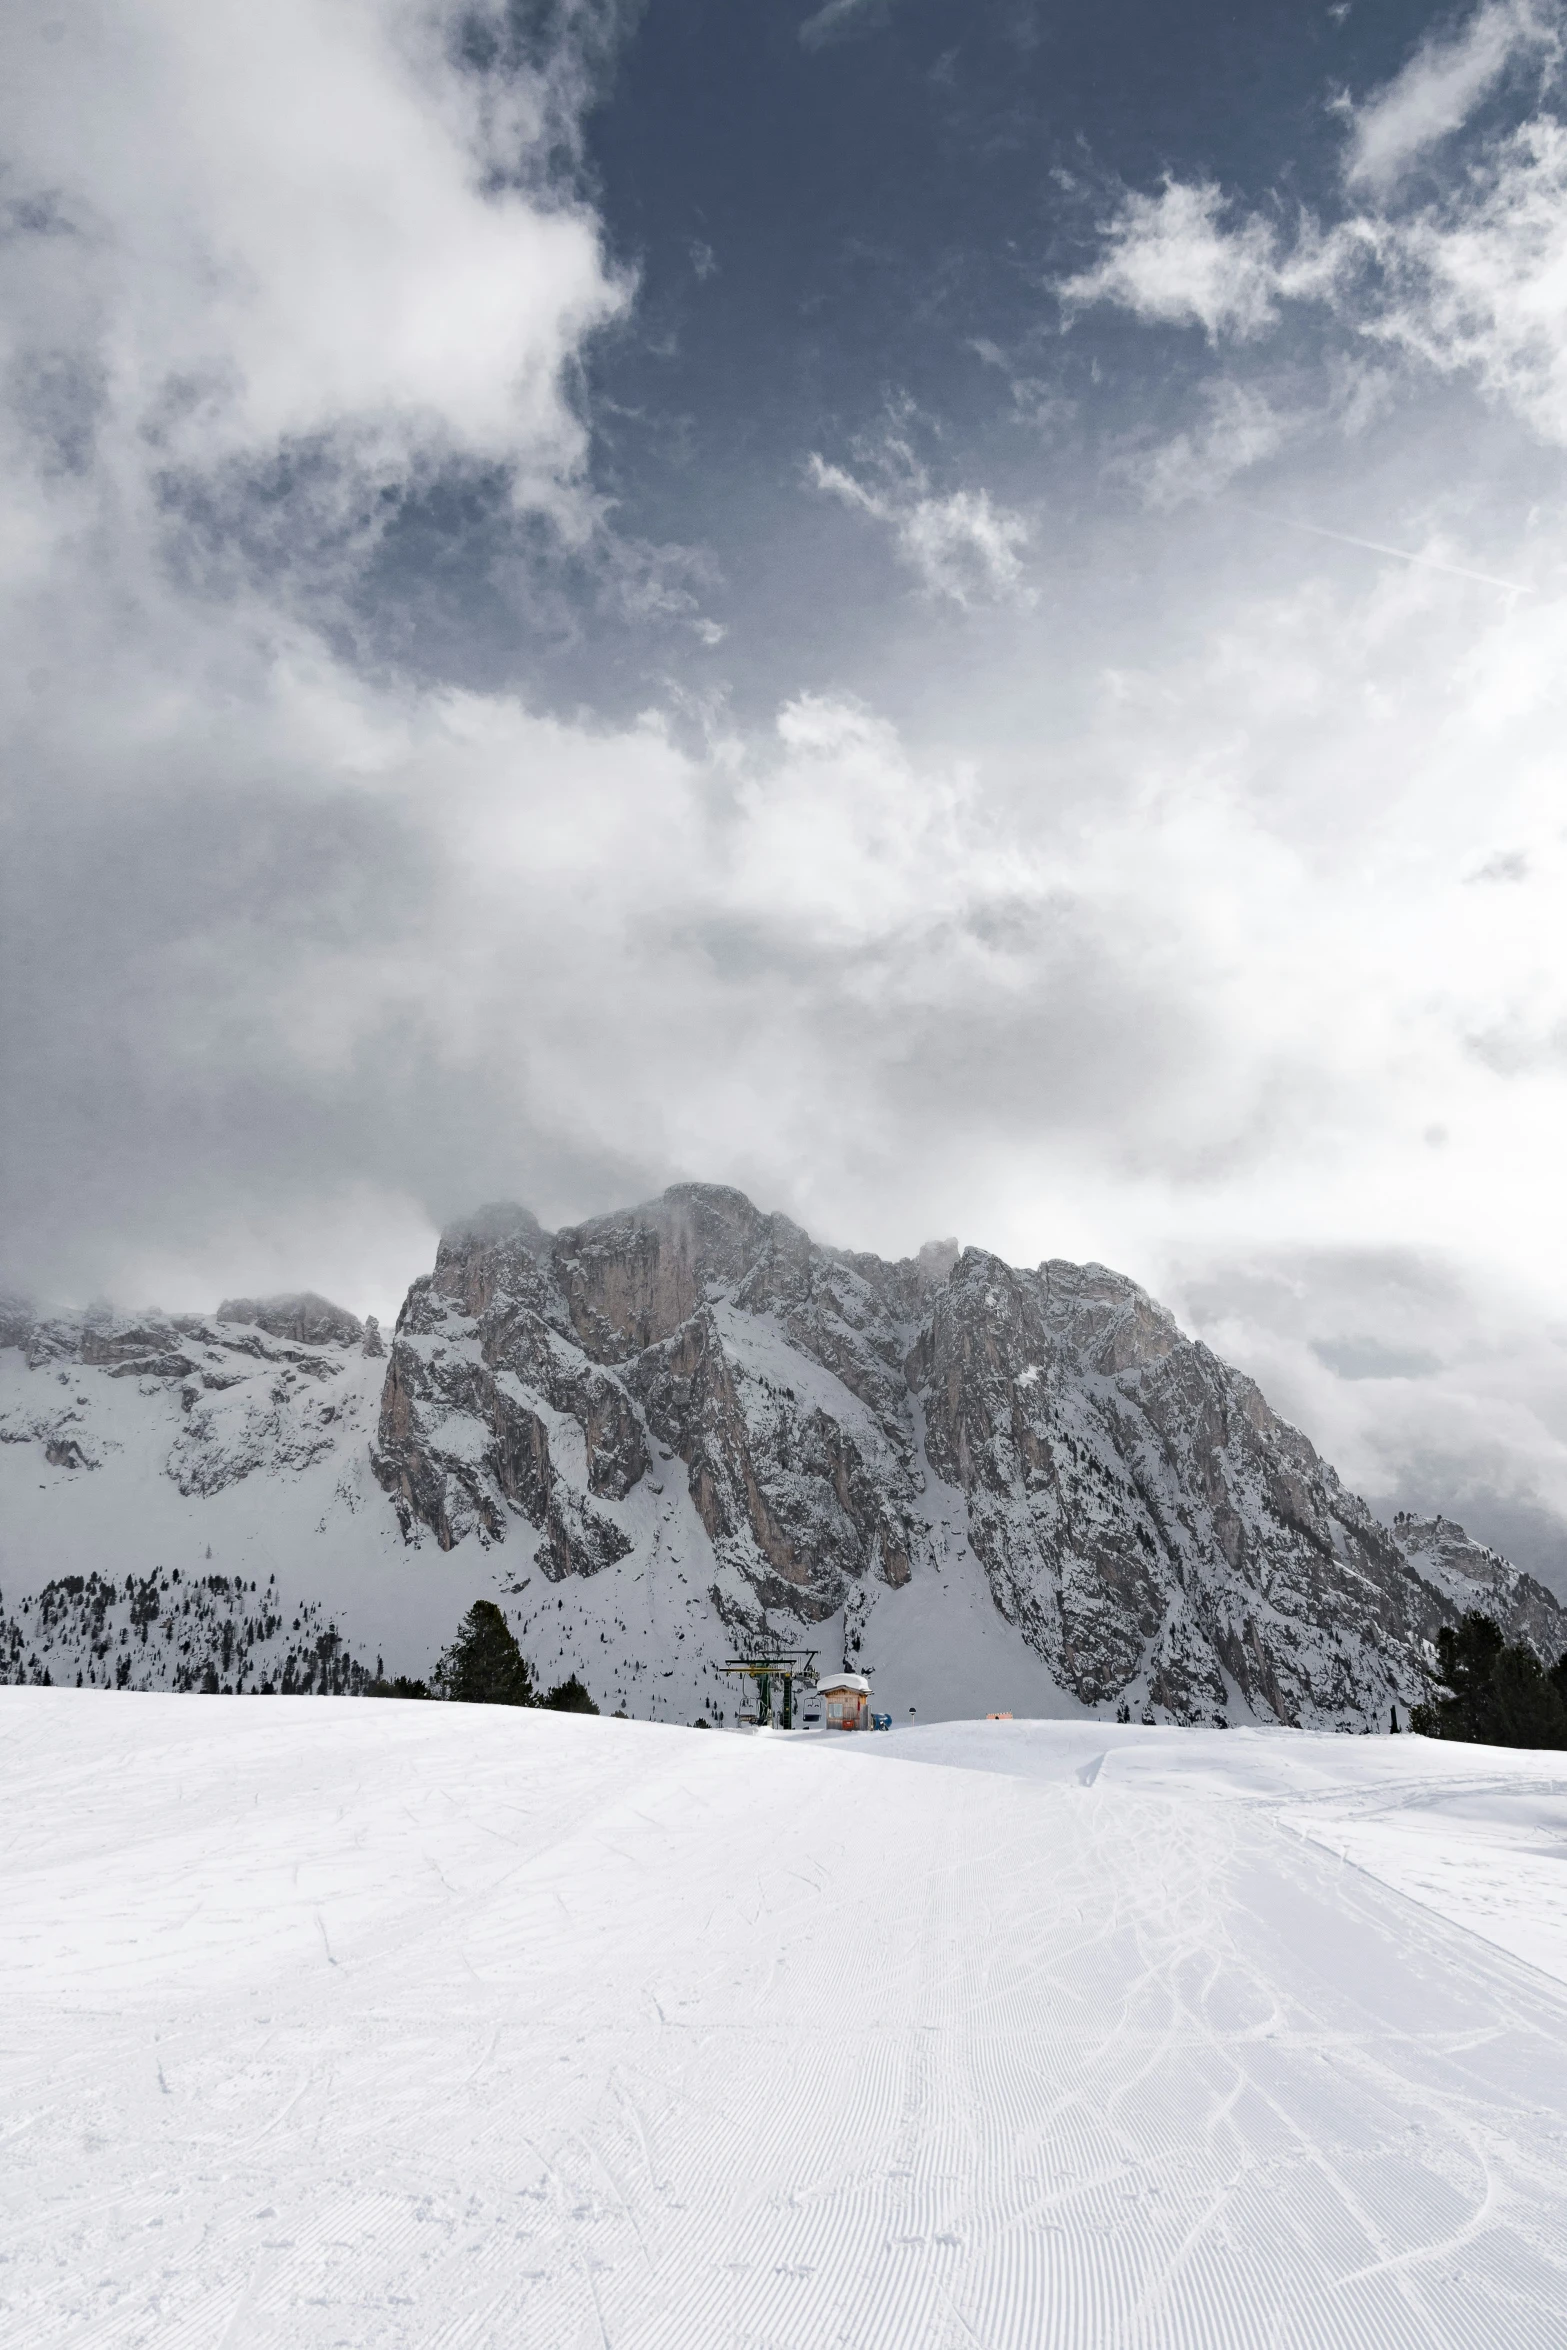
{"x":759,"y":1436}
{"x":1156,"y":1534}
{"x":307,"y":1319}
{"x":239,"y":1396}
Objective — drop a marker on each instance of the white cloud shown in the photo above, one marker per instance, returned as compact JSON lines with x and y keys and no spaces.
{"x":337,"y":930}
{"x":963,"y":547}
{"x":258,"y":227}
{"x":1241,"y":429}
{"x":1478,"y":282}
{"x":1171,"y":260}
{"x":1435,"y":93}
{"x":1472,"y":282}
{"x":840,"y":484}
{"x":843,"y":20}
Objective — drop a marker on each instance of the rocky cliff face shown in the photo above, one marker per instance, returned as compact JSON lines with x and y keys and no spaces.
{"x":259,"y":1385}
{"x":660,"y":1434}
{"x":844,"y":1429}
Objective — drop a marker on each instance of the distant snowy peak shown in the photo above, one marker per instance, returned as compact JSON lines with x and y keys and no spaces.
{"x":844,"y":1427}
{"x":255,"y":1386}
{"x":103,"y":1334}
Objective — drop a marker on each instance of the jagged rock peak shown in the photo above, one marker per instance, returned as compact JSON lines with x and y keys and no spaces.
{"x":1107,"y":1317}
{"x":302,"y":1316}
{"x":1148,"y":1527}
{"x":499,"y":1220}
{"x":691,"y":1235}
{"x":494,"y":1251}
{"x":936,"y":1260}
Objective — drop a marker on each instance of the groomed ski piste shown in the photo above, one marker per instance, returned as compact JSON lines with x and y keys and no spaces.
{"x":334,"y":2021}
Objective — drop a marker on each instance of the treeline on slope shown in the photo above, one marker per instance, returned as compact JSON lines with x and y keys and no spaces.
{"x":1495,"y":1695}
{"x":218,"y":1635}
{"x":213,"y":1633}
{"x":485,"y":1666}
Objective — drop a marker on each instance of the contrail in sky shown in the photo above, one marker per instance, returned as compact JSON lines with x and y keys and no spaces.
{"x":1375,"y":547}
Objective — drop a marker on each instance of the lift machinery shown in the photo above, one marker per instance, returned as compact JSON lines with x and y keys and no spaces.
{"x":779,"y":1664}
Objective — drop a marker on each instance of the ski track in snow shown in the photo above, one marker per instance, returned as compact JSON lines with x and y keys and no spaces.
{"x":334,"y":2022}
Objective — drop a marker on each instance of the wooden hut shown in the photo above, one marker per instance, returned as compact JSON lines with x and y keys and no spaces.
{"x":846,"y":1700}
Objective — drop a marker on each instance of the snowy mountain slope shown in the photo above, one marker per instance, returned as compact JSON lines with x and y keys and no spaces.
{"x":850,"y":1432}
{"x":192,"y":1496}
{"x":661,"y":1433}
{"x":411,"y":2026}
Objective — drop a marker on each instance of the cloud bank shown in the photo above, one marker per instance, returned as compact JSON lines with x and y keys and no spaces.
{"x":1236,"y":963}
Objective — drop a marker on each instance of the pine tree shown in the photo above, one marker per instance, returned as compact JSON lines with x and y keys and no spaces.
{"x":484,"y":1665}
{"x":569,"y":1697}
{"x":1466,"y":1652}
{"x":1497,"y":1695}
{"x":1529,"y":1710}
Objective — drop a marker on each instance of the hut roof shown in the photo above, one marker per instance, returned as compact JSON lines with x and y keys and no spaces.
{"x":841,"y":1681}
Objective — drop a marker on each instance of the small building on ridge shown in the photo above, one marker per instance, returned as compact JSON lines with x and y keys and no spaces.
{"x":846,"y":1700}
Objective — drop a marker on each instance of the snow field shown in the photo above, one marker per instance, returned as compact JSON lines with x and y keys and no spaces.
{"x":343,"y":2022}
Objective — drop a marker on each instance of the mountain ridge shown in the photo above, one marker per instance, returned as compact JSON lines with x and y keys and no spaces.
{"x":686,"y":1424}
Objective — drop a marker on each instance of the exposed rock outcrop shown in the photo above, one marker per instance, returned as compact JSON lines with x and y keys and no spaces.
{"x":304,"y":1317}
{"x":1155,"y":1533}
{"x":245,"y":1395}
{"x":665,"y":1431}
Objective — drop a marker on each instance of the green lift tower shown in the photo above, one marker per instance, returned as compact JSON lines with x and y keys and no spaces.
{"x":780,"y":1664}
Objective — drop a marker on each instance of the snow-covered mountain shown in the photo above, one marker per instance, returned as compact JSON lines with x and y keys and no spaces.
{"x":669,"y":1432}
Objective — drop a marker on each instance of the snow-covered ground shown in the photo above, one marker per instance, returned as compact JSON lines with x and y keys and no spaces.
{"x":343,"y":2022}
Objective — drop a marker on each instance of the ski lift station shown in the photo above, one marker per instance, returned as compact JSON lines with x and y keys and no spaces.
{"x":846,"y":1700}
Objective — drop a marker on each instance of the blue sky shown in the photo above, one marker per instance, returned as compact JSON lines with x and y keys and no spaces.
{"x":827,"y":235}
{"x":954,"y":615}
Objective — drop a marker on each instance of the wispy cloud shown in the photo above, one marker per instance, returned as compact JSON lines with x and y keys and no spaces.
{"x":961,"y":545}
{"x":1477,"y":283}
{"x":1470,"y":281}
{"x":1240,"y":430}
{"x":1439,"y":88}
{"x":844,"y":20}
{"x":1175,"y":259}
